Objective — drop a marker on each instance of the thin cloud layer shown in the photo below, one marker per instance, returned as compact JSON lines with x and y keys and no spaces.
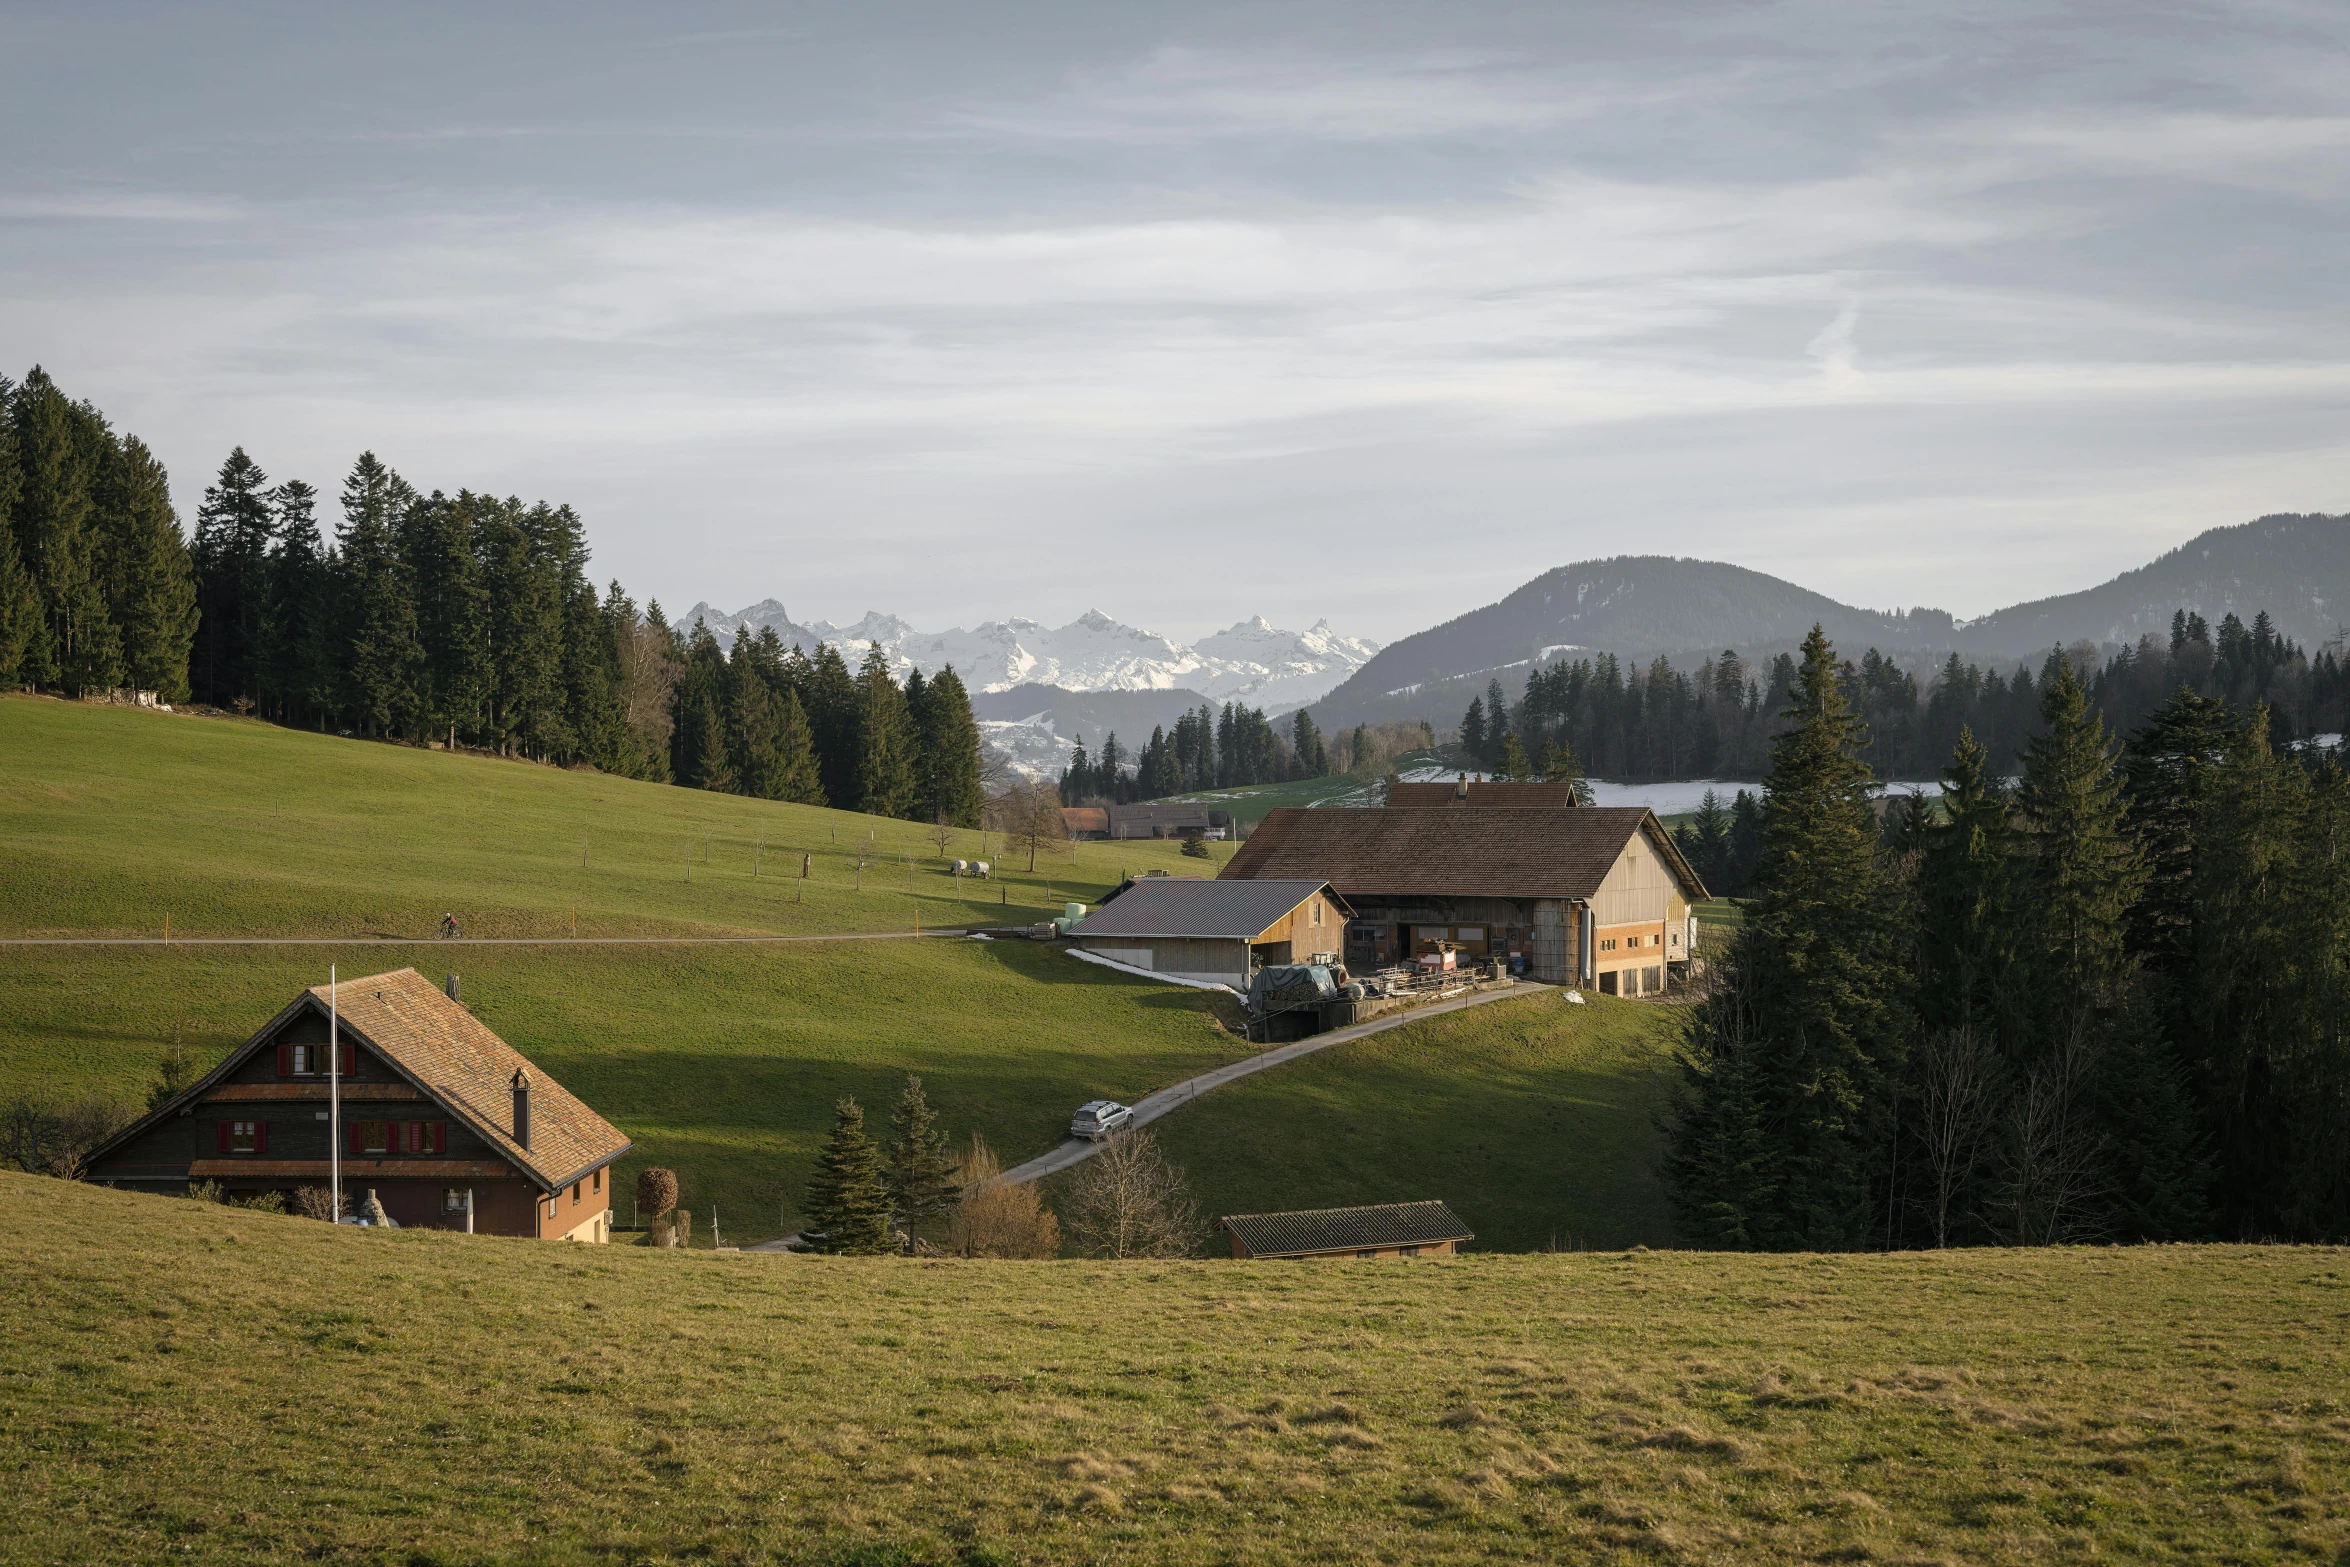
{"x":1371,"y":316}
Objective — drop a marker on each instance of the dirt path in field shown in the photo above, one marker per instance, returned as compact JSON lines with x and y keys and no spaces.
{"x":1146,"y":1110}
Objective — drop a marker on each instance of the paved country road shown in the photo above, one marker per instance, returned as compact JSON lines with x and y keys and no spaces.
{"x":1077,"y":1150}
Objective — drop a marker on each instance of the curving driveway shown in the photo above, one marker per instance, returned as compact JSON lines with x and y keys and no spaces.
{"x":1146,"y":1110}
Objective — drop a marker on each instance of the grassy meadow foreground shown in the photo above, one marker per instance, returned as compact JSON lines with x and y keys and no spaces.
{"x":197,"y":1384}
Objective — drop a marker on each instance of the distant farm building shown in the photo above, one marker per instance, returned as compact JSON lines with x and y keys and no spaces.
{"x":1492,"y":796}
{"x":1165,"y":821}
{"x":1396,"y":1229}
{"x":1085,"y":821}
{"x":1212,"y":931}
{"x":442,"y":1119}
{"x":1598,"y":896}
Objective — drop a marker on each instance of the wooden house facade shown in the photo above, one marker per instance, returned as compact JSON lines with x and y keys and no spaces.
{"x":444,"y":1121}
{"x":1597,"y":895}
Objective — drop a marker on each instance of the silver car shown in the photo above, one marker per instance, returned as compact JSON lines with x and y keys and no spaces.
{"x":1099,"y":1119}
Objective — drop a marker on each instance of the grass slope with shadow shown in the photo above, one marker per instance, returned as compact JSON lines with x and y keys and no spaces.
{"x":1535,"y":1119}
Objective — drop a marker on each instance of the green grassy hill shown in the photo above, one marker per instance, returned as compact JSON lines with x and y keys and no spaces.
{"x":193,"y":1384}
{"x":116,"y":818}
{"x":1533,"y":1118}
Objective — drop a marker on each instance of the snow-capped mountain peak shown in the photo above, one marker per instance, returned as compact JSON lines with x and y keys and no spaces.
{"x":1253,"y":661}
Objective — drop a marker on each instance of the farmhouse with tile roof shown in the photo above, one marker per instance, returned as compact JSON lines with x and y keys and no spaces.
{"x":441,"y":1118}
{"x":1596,"y":895}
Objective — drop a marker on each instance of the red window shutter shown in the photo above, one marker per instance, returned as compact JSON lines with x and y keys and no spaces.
{"x":414,"y":1141}
{"x":350,"y":1060}
{"x":358,"y":1136}
{"x":285,"y":1059}
{"x":440,"y":1137}
{"x":261,"y":1137}
{"x":221,"y":1127}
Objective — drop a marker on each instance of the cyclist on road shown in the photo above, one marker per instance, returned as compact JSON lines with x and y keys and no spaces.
{"x":448,"y":927}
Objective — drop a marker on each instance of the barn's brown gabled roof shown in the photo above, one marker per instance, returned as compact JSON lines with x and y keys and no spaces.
{"x":1461,"y":854}
{"x":453,"y":1056}
{"x":1346,"y":1229}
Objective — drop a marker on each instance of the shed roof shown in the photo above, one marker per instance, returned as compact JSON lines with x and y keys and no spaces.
{"x":1346,"y":1229}
{"x":1182,"y":906}
{"x":1186,"y":815}
{"x":1085,"y":818}
{"x":1471,"y":854}
{"x":1504,"y":794}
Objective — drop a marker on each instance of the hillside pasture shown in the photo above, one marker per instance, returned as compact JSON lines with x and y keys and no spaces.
{"x":1534,"y":1118}
{"x":194,"y":1384}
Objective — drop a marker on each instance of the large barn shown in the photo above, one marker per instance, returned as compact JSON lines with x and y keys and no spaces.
{"x":444,"y":1121}
{"x":1597,"y":895}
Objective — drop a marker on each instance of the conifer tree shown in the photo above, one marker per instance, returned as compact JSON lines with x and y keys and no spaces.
{"x":1512,"y":762}
{"x":452,"y":614}
{"x":233,"y":530}
{"x":836,"y":716}
{"x":921,"y":1165}
{"x":848,"y":1200}
{"x":951,"y":746}
{"x":19,"y":605}
{"x":2082,"y":867}
{"x":73,"y":644}
{"x":1704,"y":841}
{"x":797,"y":776}
{"x":2167,"y":768}
{"x":1967,"y":908}
{"x":150,"y":581}
{"x":1815,"y":1004}
{"x":382,"y":660}
{"x":885,"y":758}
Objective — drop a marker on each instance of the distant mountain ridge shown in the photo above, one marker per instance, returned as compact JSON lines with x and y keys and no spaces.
{"x":1252,"y":662}
{"x":1639,"y":607}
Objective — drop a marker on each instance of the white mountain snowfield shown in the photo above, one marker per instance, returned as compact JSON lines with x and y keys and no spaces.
{"x":1252,"y":662}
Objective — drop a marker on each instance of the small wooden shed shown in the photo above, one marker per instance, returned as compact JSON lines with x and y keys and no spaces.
{"x":1395,"y":1229}
{"x":1213,"y":931}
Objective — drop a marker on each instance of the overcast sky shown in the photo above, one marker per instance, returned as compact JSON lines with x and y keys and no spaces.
{"x":1191,"y":312}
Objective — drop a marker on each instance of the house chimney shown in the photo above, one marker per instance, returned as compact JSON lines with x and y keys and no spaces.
{"x":1460,"y":791}
{"x":522,"y":1107}
{"x":450,"y":985}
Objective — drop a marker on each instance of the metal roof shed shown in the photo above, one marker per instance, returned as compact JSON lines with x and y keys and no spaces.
{"x":1210,"y":930}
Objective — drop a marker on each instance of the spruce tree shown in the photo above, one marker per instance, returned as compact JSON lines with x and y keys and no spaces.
{"x":921,"y":1165}
{"x":848,"y":1200}
{"x":438,"y":538}
{"x":952,"y":740}
{"x":59,"y":445}
{"x":294,"y":626}
{"x":382,"y":660}
{"x":1705,"y":841}
{"x":1967,"y":906}
{"x":150,"y":580}
{"x":1512,"y":762}
{"x":19,"y":605}
{"x":797,"y":777}
{"x":1816,"y":1002}
{"x":2082,"y":869}
{"x":885,"y":758}
{"x":233,"y":530}
{"x":836,"y":716}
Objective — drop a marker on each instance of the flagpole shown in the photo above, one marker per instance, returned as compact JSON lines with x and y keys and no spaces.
{"x":334,"y":1099}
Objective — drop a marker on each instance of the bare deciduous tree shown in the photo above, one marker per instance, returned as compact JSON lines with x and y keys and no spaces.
{"x":1028,"y":814}
{"x":2052,"y":1158}
{"x":1959,"y":1091}
{"x":43,"y":1139}
{"x":995,"y":1217}
{"x":648,"y":673}
{"x":1131,"y":1200}
{"x":942,"y":833}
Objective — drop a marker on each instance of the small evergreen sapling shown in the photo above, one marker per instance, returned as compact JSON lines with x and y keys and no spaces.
{"x":921,"y":1165}
{"x":848,"y":1200}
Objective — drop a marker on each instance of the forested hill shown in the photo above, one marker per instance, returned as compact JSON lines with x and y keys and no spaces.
{"x":1635,"y":606}
{"x":2296,"y":566}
